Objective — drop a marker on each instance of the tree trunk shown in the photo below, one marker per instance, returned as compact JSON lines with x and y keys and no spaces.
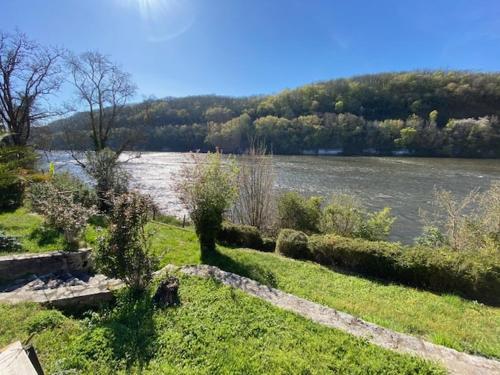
{"x":167,"y":293}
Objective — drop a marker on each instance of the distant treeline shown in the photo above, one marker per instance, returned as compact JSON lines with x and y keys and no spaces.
{"x":437,"y":113}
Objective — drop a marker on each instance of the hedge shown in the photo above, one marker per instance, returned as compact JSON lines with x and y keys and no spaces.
{"x":235,"y":235}
{"x":471,"y":275}
{"x":293,"y":244}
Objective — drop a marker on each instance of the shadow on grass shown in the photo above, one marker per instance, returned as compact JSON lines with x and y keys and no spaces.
{"x":123,"y":334}
{"x":252,"y":271}
{"x":45,"y":236}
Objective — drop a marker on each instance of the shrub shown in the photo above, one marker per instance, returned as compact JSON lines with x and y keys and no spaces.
{"x":466,"y":224}
{"x":431,"y":237}
{"x":61,"y":209}
{"x":240,"y":236}
{"x":268,"y":244}
{"x":377,"y":225}
{"x":299,"y":213}
{"x":8,"y":243}
{"x":124,"y":252}
{"x":81,"y":192}
{"x":475,"y":276}
{"x":346,"y":217}
{"x":208,"y":189}
{"x":11,"y":191}
{"x":16,"y":163}
{"x":293,"y":244}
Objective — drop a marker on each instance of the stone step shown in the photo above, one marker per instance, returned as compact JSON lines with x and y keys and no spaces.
{"x":17,"y":266}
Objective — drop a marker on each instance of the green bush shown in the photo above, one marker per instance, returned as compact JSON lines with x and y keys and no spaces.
{"x":293,"y":244}
{"x":208,"y":189}
{"x":124,"y":253}
{"x":346,"y":216}
{"x":9,"y":243}
{"x":299,"y":213}
{"x":471,"y":275}
{"x":16,"y":163}
{"x":81,"y":192}
{"x":65,"y":203}
{"x":11,"y":191}
{"x":268,"y":244}
{"x":240,"y":236}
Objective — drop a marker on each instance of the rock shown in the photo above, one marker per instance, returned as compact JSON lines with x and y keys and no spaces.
{"x":167,"y":293}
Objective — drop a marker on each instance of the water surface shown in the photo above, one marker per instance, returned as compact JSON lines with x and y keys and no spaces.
{"x":404,"y":184}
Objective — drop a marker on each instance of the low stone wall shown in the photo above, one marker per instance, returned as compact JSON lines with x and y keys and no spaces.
{"x":14,"y":267}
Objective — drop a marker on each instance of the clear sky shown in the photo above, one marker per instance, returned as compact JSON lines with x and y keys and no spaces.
{"x":245,"y":47}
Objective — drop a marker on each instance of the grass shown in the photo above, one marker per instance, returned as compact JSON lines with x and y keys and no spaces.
{"x":34,"y":237}
{"x":215,"y":330}
{"x":443,"y":319}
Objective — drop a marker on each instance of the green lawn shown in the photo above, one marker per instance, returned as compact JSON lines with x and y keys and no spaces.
{"x":216,"y":330}
{"x":33,"y":236}
{"x":443,"y":319}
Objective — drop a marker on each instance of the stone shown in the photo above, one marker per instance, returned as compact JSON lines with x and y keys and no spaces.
{"x":15,"y":360}
{"x":15,"y":267}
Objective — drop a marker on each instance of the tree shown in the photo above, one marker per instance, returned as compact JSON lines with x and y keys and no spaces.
{"x":298,"y":212}
{"x":29,"y":72}
{"x":231,"y":136}
{"x":208,"y":188}
{"x":254,"y":205}
{"x":104,"y":89}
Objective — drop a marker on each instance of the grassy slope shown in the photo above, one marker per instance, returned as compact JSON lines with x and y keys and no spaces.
{"x":215,"y":330}
{"x":33,"y":237}
{"x":443,"y":319}
{"x":446,"y":320}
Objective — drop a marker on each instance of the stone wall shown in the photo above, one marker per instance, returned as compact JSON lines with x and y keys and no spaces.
{"x":14,"y":267}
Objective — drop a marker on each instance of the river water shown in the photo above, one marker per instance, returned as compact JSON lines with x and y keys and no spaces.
{"x":402,"y":183}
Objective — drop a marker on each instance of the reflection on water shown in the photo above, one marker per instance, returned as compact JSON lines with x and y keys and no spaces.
{"x":404,"y":184}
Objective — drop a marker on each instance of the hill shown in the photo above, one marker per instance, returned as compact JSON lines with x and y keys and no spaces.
{"x":435,"y":113}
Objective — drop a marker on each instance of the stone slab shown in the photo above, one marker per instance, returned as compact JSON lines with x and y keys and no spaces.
{"x":15,"y":361}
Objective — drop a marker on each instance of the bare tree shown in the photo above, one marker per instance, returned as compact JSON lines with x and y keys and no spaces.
{"x":254,"y":205}
{"x":29,"y":73}
{"x":103,"y":89}
{"x":466,"y":223}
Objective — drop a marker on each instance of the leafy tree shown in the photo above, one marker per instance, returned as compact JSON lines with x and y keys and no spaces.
{"x":232,"y":136}
{"x":208,"y":188}
{"x":372,"y":113}
{"x":346,"y":216}
{"x":299,"y":213}
{"x":339,"y":106}
{"x":218,"y":114}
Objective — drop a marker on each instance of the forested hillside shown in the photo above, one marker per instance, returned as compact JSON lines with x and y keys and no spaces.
{"x":438,"y":113}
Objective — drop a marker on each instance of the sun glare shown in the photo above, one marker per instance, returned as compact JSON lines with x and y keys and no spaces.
{"x":163,"y":19}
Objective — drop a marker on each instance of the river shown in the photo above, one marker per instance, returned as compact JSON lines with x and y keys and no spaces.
{"x":403,"y":183}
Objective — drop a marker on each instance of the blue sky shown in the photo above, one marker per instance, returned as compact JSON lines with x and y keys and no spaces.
{"x":245,"y":47}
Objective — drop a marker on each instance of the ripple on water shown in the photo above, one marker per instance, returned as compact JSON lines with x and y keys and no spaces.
{"x":405,"y":184}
